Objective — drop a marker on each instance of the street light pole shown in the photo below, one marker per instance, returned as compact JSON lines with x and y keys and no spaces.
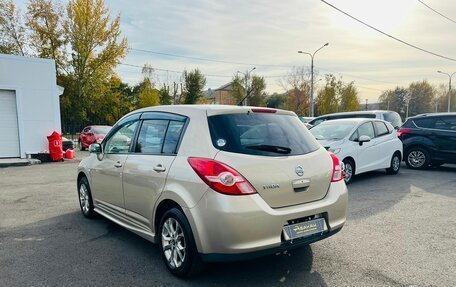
{"x":449,"y":88}
{"x":246,"y":75}
{"x":312,"y":76}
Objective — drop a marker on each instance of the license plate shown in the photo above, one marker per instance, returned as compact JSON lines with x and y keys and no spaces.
{"x":305,"y":228}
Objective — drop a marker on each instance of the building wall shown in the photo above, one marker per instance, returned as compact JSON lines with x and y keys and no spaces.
{"x":37,"y":97}
{"x":224,"y":97}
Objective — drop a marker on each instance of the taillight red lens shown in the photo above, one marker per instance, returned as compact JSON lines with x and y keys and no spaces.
{"x":220,"y":177}
{"x":401,"y":132}
{"x":338,"y":168}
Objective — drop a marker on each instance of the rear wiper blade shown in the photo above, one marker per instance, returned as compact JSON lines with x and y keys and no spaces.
{"x":271,"y":148}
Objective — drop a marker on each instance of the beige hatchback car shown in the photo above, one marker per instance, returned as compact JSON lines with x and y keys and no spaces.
{"x":214,"y":183}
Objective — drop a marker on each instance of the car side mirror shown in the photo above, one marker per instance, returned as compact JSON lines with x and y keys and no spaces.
{"x":363,"y":139}
{"x":95,"y":148}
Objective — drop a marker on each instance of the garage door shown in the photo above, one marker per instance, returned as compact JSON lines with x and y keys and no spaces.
{"x":9,"y":130}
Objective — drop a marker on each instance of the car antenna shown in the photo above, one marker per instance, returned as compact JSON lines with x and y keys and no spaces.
{"x":241,"y":103}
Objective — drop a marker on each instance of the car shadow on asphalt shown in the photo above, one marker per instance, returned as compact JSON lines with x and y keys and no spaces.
{"x":69,"y":248}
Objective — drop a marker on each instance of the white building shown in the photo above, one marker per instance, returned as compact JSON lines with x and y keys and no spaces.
{"x":29,"y":105}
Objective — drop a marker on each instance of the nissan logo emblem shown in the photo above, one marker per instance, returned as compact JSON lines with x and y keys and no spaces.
{"x":299,"y":170}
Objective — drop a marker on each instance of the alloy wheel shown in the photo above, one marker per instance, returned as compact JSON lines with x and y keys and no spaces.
{"x":173,"y":243}
{"x":84,"y":198}
{"x":348,"y":172}
{"x":416,"y":158}
{"x":396,"y":163}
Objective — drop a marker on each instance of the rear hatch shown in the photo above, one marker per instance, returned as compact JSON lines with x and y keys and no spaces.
{"x":275,"y":153}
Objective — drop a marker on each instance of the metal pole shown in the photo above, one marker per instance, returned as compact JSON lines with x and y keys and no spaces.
{"x":449,"y":88}
{"x":406,"y":113}
{"x":449,"y":95}
{"x":246,"y":87}
{"x":312,"y":114}
{"x":312,"y":87}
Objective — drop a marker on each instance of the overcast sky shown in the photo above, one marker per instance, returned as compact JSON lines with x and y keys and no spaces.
{"x":262,"y":33}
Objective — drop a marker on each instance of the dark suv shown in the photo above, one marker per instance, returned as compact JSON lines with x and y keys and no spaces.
{"x":429,"y":139}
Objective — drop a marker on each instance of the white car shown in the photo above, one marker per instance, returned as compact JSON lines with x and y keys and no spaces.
{"x":362,"y":144}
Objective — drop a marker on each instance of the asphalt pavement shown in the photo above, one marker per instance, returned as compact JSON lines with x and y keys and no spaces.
{"x":401,"y":231}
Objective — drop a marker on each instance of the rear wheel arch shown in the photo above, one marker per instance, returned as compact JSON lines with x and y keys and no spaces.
{"x":161,"y":209}
{"x":399,"y":153}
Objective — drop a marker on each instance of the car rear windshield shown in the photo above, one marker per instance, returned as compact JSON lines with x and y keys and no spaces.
{"x":394,"y":118}
{"x":261,"y":134}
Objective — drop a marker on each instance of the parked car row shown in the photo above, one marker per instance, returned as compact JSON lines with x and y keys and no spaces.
{"x":214,"y":183}
{"x":424,"y":140}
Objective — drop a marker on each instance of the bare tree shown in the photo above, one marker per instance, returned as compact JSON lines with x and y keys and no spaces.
{"x":297,"y":86}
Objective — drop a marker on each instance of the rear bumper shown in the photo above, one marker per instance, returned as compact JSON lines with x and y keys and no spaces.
{"x":217,"y":257}
{"x":246,"y":227}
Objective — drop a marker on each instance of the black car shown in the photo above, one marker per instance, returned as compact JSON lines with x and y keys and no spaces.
{"x":429,"y":139}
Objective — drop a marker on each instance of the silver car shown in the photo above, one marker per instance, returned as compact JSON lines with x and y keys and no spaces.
{"x":214,"y":183}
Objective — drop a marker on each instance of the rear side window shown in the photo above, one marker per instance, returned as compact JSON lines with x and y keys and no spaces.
{"x":408,"y":124}
{"x":380,"y":129}
{"x":394,"y":118}
{"x":261,"y":134}
{"x":446,"y":123}
{"x":425,"y":123}
{"x":172,"y":136}
{"x":159,"y":136}
{"x":151,"y":136}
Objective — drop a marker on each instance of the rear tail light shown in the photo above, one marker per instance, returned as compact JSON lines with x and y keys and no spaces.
{"x":338,"y":168}
{"x":401,"y":132}
{"x":220,"y":177}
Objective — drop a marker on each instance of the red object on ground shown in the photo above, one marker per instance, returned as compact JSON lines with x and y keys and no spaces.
{"x":69,"y":154}
{"x":55,"y":146}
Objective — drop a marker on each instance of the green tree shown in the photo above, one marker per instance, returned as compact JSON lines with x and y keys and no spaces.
{"x":257,"y":95}
{"x":394,"y":100}
{"x":420,"y":95}
{"x":328,"y":100}
{"x":349,"y":100}
{"x":165,"y":96}
{"x":237,"y":87}
{"x":148,"y":96}
{"x":13,"y":37}
{"x":44,"y":20}
{"x":96,"y":48}
{"x":276,"y":101}
{"x":194,"y":82}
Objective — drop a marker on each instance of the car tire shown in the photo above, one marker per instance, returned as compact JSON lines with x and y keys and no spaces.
{"x":85,"y":198}
{"x":349,"y":170}
{"x":417,"y":158}
{"x":177,"y":245}
{"x":81,"y":148}
{"x":395,"y":165}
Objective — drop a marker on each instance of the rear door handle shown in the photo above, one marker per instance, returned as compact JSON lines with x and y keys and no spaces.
{"x":159,"y":168}
{"x":118,"y":164}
